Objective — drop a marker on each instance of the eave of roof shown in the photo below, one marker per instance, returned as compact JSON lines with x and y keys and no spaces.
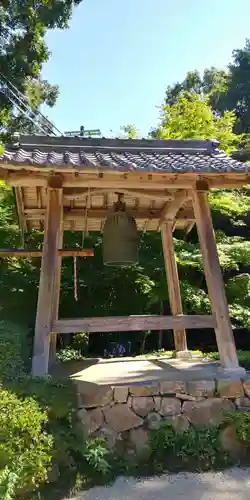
{"x":144,"y":155}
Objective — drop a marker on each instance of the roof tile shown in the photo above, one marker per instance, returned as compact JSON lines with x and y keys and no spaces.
{"x":141,"y":155}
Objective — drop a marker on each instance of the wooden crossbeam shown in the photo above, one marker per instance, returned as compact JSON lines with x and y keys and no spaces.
{"x":115,"y":180}
{"x":132,"y":323}
{"x":76,"y":193}
{"x":100,"y":213}
{"x":86,"y":252}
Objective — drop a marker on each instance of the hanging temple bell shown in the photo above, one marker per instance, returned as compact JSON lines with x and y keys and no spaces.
{"x":120,"y":237}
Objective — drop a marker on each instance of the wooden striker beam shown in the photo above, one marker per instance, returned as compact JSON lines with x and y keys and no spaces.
{"x":215,"y":285}
{"x":180,"y":340}
{"x":46,"y":294}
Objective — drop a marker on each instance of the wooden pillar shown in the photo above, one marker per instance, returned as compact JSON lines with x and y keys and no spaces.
{"x":215,"y":285}
{"x":174,"y":292}
{"x":55,"y":312}
{"x":45,"y":305}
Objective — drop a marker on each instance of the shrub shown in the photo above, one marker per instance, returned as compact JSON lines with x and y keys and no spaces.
{"x":194,"y":449}
{"x":69,"y":354}
{"x":95,"y":453}
{"x":241,"y":422}
{"x":25,"y":447}
{"x":11,"y":362}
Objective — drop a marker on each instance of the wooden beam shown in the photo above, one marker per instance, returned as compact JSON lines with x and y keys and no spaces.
{"x":174,"y":293}
{"x":190,"y":227}
{"x":44,"y":316}
{"x":100,"y":213}
{"x":115,"y":180}
{"x":20,"y":208}
{"x":216,"y":291}
{"x":55,"y":310}
{"x":39,"y":203}
{"x":132,"y":323}
{"x":86,"y":252}
{"x":170,"y":210}
{"x":64,"y":143}
{"x":77,"y":193}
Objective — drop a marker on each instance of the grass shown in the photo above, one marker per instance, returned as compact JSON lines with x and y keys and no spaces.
{"x":168,"y":354}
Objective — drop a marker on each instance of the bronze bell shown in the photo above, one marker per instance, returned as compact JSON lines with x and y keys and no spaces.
{"x":120,"y":238}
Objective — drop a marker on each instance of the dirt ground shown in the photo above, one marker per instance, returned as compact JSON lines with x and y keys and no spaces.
{"x":233,"y":484}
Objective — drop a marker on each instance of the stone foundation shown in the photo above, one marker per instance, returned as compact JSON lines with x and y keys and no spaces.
{"x":125,"y":414}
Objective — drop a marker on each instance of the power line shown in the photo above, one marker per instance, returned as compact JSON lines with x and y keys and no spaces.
{"x":13,"y":94}
{"x":41,"y":123}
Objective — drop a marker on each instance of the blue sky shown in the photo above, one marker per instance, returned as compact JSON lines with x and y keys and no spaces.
{"x":114,"y":62}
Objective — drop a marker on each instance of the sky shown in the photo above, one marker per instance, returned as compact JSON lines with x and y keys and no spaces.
{"x":116,"y":59}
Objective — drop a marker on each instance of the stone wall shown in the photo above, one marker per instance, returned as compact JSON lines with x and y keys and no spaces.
{"x":124,"y":414}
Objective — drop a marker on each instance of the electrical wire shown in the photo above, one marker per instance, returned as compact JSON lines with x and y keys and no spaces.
{"x":15,"y":96}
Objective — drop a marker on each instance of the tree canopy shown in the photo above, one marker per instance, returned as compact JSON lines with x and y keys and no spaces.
{"x":226,"y":90}
{"x":191,"y":117}
{"x":23,"y":51}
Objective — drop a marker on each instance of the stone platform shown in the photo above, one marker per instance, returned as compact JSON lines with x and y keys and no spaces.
{"x":122,"y":400}
{"x":121,"y":371}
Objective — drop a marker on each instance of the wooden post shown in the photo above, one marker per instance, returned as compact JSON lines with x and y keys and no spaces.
{"x":174,"y":293}
{"x":215,"y":285}
{"x":55,"y":312}
{"x":45,"y":305}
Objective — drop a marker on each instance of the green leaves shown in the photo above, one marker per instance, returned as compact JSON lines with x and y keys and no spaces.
{"x":191,"y":117}
{"x":225,"y":90}
{"x":23,"y":27}
{"x":25,"y":448}
{"x":231,"y":203}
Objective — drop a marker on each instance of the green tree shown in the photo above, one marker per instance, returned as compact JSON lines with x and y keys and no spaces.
{"x":226,"y":90}
{"x":23,"y":50}
{"x":213,"y":84}
{"x":191,"y":117}
{"x":130,"y":131}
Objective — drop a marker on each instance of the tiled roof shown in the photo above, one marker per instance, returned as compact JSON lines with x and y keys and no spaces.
{"x":171,"y":156}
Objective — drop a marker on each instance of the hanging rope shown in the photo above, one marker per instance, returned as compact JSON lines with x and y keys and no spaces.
{"x":84,"y":233}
